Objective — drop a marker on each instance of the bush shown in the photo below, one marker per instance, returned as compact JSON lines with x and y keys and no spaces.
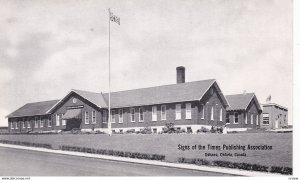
{"x":281,"y":170}
{"x":169,"y":128}
{"x":220,"y":129}
{"x":236,"y":165}
{"x":99,"y":132}
{"x":193,"y":161}
{"x":213,"y":129}
{"x":202,"y":130}
{"x":114,"y":153}
{"x":22,"y":143}
{"x":146,"y":130}
{"x":130,"y":131}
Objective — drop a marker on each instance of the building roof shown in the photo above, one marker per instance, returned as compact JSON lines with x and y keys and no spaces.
{"x":31,"y":109}
{"x":241,"y":101}
{"x":276,"y":105}
{"x":189,"y":91}
{"x":93,"y":97}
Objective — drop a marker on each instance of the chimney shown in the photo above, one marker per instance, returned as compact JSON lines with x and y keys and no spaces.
{"x":180,"y":74}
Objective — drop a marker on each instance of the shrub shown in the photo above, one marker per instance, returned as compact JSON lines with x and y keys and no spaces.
{"x":220,"y":129}
{"x":22,"y":143}
{"x":114,"y":153}
{"x":287,"y":170}
{"x":99,"y":132}
{"x":281,"y":170}
{"x":169,"y":128}
{"x":130,"y":131}
{"x":213,"y":129}
{"x":146,"y":130}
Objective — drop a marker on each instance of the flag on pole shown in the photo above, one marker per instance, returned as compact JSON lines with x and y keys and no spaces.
{"x":113,"y":17}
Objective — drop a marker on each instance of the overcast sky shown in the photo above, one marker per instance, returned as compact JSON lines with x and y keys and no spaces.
{"x":49,"y":47}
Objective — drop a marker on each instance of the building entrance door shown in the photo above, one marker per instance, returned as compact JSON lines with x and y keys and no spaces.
{"x":73,"y":124}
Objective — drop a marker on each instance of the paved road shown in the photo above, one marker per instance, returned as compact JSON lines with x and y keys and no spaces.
{"x":16,"y":162}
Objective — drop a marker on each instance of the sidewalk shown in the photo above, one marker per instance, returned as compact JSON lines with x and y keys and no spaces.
{"x":149,"y":162}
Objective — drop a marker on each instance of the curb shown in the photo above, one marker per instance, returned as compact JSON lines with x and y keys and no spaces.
{"x":147,"y":162}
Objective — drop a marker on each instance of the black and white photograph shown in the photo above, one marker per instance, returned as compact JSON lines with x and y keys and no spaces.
{"x":102,"y":88}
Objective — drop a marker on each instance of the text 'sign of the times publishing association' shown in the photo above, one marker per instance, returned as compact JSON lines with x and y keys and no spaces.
{"x":224,"y":150}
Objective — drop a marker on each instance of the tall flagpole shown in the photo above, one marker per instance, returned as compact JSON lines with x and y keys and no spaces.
{"x":109,"y":115}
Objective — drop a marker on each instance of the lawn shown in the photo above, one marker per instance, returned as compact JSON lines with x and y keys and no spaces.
{"x":167,"y":144}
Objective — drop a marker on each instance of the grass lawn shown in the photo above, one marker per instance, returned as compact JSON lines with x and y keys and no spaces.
{"x":167,"y":144}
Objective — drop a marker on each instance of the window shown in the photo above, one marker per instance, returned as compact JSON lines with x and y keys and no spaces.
{"x":251,"y":118}
{"x":28,"y":124}
{"x":16,"y":124}
{"x":266,"y":118}
{"x":163,"y":112}
{"x":227,"y":118}
{"x":236,"y":118}
{"x":120,"y":115}
{"x":94,"y":117}
{"x":212,"y":113}
{"x":86,"y":117}
{"x":113,"y":118}
{"x":23,"y":124}
{"x":49,"y":122}
{"x":57,"y":120}
{"x":202,"y":111}
{"x":154,"y":113}
{"x":246,"y":118}
{"x":141,"y":115}
{"x":188,"y":111}
{"x":221,"y":114}
{"x":104,"y":116}
{"x":36,"y":124}
{"x":41,"y":123}
{"x":154,"y":130}
{"x":63,"y":121}
{"x":257,"y":119}
{"x":178,"y":111}
{"x":132,"y":111}
{"x":11,"y":125}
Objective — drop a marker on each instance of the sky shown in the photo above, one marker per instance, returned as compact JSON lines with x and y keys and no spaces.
{"x":49,"y":47}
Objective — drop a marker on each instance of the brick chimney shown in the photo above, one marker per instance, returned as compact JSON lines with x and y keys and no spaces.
{"x":180,"y":74}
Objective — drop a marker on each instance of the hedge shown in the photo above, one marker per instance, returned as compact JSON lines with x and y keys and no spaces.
{"x":236,"y":165}
{"x":22,"y":143}
{"x":114,"y":153}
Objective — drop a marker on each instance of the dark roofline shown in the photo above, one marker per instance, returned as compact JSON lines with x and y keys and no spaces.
{"x":253,"y":96}
{"x":73,"y":91}
{"x":8,"y":116}
{"x":213,"y":82}
{"x":160,"y":86}
{"x":274,"y":104}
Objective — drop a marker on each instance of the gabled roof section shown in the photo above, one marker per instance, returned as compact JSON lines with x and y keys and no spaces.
{"x":241,"y":101}
{"x":93,"y":97}
{"x":31,"y":109}
{"x":189,"y":91}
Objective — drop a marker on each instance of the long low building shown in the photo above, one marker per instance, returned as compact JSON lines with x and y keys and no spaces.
{"x":189,"y":105}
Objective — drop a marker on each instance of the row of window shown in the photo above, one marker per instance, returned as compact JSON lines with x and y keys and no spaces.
{"x":163,"y":116}
{"x":236,"y":118}
{"x":141,"y":111}
{"x":38,"y":123}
